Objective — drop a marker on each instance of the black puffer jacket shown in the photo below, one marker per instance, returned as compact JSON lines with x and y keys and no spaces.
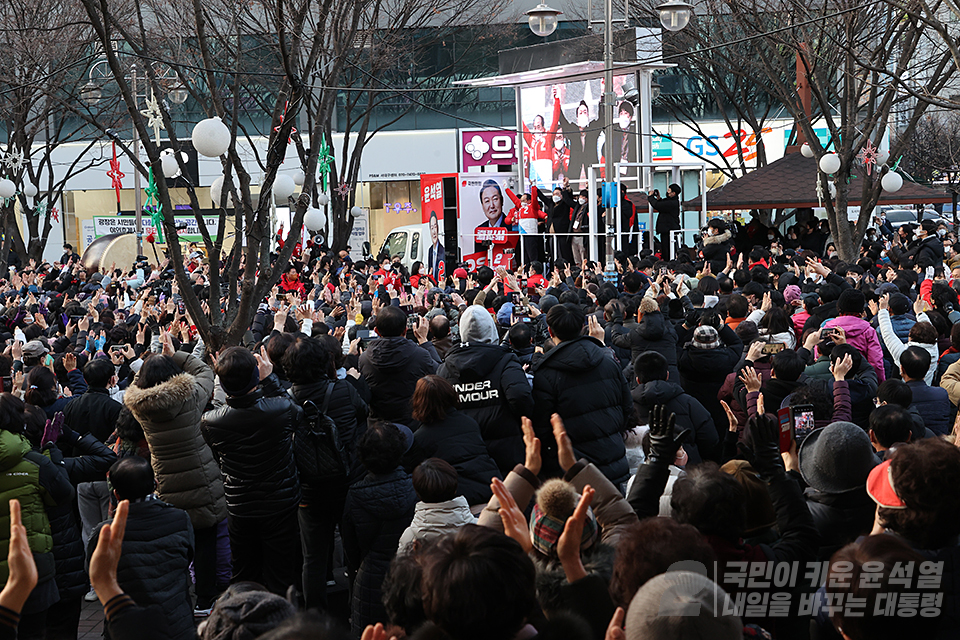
{"x":94,"y":412}
{"x":377,"y":512}
{"x":703,"y":371}
{"x":929,"y":252}
{"x":346,"y":408}
{"x":154,"y":566}
{"x":90,"y":463}
{"x":251,"y":439}
{"x":456,"y":439}
{"x":840,"y":518}
{"x":652,"y":333}
{"x":392,"y":367}
{"x":580,"y":380}
{"x":717,"y":247}
{"x":494,"y":391}
{"x":702,"y":443}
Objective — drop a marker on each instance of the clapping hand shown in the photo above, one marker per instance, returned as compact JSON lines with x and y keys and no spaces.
{"x":568,"y":545}
{"x":23,"y":569}
{"x":514,"y":522}
{"x":106,"y":557}
{"x":531,"y":443}
{"x":565,"y":454}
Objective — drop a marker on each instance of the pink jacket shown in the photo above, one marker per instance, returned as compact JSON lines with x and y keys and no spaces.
{"x":863,"y":337}
{"x":799,"y":319}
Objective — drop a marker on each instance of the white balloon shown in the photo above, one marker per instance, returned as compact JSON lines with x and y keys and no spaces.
{"x":830,"y":163}
{"x":283,"y":186}
{"x":891,"y":182}
{"x":323,"y":199}
{"x":314,"y":219}
{"x":168,"y":164}
{"x":356,"y":211}
{"x":806,"y":150}
{"x":216,"y":191}
{"x":7,"y":188}
{"x":30,"y":190}
{"x":211,"y":138}
{"x":882,"y":157}
{"x":298,"y":177}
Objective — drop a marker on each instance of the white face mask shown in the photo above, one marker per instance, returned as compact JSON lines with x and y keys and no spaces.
{"x":624,"y":122}
{"x":557,"y":198}
{"x":583,"y":120}
{"x":770,"y":236}
{"x":582,"y":201}
{"x":941,"y":232}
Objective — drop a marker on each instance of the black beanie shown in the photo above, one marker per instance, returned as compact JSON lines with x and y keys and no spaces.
{"x":851,"y":302}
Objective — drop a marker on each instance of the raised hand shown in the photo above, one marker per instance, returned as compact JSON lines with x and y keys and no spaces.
{"x":106,"y":557}
{"x":751,"y":379}
{"x":841,"y":367}
{"x":532,"y":459}
{"x":731,"y":417}
{"x":664,"y":443}
{"x":565,"y":455}
{"x":568,"y":545}
{"x":615,"y":628}
{"x":23,"y":569}
{"x":514,"y":523}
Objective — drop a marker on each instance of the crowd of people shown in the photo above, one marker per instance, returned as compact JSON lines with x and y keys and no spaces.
{"x":754,"y":440}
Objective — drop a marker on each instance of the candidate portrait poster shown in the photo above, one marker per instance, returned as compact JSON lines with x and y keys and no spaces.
{"x":483,"y":205}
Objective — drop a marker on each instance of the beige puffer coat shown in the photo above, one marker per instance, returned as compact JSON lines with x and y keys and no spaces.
{"x":187,"y":474}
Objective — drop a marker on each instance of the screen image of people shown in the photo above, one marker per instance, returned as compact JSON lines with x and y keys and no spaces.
{"x":563,"y":131}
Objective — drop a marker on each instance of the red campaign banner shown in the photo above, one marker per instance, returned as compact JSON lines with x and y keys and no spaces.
{"x":431,"y":196}
{"x":496,"y":235}
{"x":480,"y":259}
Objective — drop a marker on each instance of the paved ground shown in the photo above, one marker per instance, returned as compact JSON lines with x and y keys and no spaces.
{"x":91,"y":621}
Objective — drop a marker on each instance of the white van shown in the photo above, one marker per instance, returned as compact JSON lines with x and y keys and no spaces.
{"x":410,"y":242}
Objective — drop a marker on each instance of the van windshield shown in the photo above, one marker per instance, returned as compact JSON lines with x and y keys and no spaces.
{"x":395,"y":244}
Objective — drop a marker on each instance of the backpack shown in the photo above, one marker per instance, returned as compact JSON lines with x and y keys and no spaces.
{"x":316,"y":444}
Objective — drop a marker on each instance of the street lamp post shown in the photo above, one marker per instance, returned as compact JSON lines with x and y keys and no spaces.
{"x":674,"y":16}
{"x":91,"y":94}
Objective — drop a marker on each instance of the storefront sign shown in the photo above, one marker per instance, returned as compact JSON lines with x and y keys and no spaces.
{"x":482,"y":147}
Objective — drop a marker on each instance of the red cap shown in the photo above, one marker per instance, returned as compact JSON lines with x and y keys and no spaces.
{"x":460,"y":272}
{"x":880,"y":487}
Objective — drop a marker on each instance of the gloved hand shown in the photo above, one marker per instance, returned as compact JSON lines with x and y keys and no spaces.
{"x":664,"y":443}
{"x":68,"y":435}
{"x":761,"y":446}
{"x":51,"y":431}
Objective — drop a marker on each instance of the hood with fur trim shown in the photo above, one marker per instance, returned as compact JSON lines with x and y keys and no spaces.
{"x":187,"y":474}
{"x":164,"y":401}
{"x":717,"y":239}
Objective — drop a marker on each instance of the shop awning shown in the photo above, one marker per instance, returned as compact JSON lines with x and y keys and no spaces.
{"x":791,"y":183}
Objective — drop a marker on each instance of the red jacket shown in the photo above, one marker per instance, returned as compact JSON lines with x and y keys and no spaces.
{"x":292,"y":287}
{"x":388,"y":278}
{"x":526,"y":215}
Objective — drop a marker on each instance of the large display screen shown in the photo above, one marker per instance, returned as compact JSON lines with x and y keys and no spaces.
{"x":563,"y":131}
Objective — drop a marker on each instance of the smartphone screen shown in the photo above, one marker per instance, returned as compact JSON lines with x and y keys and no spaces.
{"x":803,"y":421}
{"x":772,"y":348}
{"x":786,"y":429}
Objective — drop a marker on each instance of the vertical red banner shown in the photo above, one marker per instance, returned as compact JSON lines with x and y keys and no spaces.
{"x":431,"y":211}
